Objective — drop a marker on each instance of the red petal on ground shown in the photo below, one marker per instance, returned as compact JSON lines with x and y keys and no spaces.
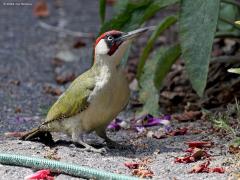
{"x":217,"y":169}
{"x":201,"y":168}
{"x":180,"y":131}
{"x":199,"y":144}
{"x":195,"y":154}
{"x":187,"y":159}
{"x":39,"y":175}
{"x":190,"y":150}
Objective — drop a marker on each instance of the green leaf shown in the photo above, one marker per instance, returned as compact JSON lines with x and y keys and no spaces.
{"x":229,"y":12}
{"x":134,"y":13}
{"x":234,"y":70}
{"x":198,"y":21}
{"x":165,"y":60}
{"x":122,"y":20}
{"x":155,"y":7}
{"x":120,"y":6}
{"x":102,"y":10}
{"x":162,"y":26}
{"x":148,"y":93}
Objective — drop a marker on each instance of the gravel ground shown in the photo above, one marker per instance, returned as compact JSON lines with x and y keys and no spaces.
{"x":161,"y":152}
{"x":26,"y":53}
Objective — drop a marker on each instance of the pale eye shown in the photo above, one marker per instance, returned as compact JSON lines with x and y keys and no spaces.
{"x":109,"y":38}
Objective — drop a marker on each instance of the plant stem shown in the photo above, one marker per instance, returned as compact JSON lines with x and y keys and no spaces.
{"x":226,"y":35}
{"x":225,"y":59}
{"x":232,"y":2}
{"x":229,"y":22}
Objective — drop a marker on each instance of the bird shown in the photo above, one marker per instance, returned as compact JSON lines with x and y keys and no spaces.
{"x":95,"y":97}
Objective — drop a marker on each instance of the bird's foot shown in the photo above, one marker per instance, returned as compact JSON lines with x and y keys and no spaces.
{"x":95,"y":150}
{"x":89,"y":148}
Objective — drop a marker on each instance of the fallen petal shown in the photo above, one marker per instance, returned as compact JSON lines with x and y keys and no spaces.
{"x":217,"y":169}
{"x":199,"y":144}
{"x":186,"y":159}
{"x":203,"y":168}
{"x":39,"y":175}
{"x":200,"y":168}
{"x":180,"y":131}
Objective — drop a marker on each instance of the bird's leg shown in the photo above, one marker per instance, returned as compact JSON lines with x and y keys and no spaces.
{"x":76,"y":140}
{"x":110,"y":143}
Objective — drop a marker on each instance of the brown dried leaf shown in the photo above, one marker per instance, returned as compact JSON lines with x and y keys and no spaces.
{"x":143,"y":173}
{"x":198,"y":153}
{"x":199,"y":144}
{"x":233,"y":149}
{"x":188,"y":116}
{"x":203,"y":168}
{"x":79,"y":43}
{"x":178,"y":132}
{"x":41,"y":9}
{"x":18,"y":110}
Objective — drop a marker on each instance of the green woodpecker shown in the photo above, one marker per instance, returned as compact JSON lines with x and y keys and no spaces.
{"x":94,"y":98}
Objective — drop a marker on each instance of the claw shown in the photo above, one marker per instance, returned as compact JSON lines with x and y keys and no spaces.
{"x":89,"y":148}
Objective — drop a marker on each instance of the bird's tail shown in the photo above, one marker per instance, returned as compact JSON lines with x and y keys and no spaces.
{"x":32,"y":134}
{"x":38,"y":134}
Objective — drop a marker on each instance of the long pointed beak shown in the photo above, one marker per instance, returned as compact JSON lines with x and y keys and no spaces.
{"x":135,"y":33}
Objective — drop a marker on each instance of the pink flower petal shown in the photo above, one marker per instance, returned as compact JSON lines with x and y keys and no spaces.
{"x":40,"y":175}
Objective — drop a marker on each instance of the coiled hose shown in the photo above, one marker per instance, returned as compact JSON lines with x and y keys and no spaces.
{"x":60,"y":167}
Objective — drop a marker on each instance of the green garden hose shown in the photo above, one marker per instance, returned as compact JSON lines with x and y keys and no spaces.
{"x":60,"y":167}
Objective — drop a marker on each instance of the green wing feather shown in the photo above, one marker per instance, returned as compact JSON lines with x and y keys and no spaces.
{"x":74,"y":99}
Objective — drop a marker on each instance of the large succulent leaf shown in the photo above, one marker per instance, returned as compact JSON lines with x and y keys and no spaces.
{"x":198,"y":22}
{"x":165,"y":59}
{"x":148,"y":93}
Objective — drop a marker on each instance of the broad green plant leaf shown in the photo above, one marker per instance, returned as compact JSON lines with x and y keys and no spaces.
{"x":162,"y":26}
{"x":122,"y":19}
{"x":155,"y":7}
{"x":229,"y":12}
{"x":102,"y":10}
{"x":134,"y":13}
{"x":197,"y":23}
{"x":165,"y":60}
{"x":148,"y":93}
{"x":120,"y":6}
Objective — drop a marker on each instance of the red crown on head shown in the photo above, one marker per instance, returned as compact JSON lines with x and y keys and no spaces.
{"x":112,"y":32}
